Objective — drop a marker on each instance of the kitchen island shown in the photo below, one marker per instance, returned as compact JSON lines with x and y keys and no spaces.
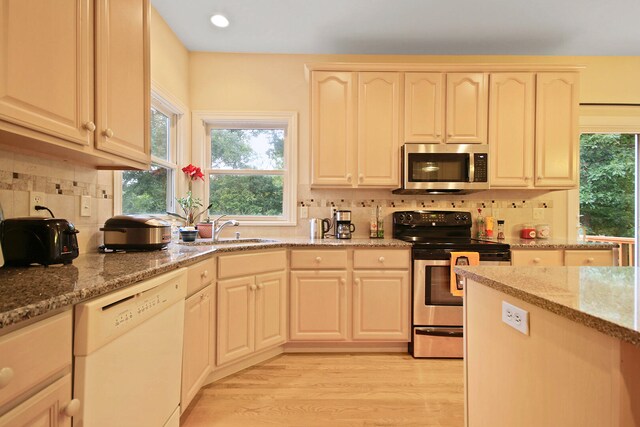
{"x":577,"y":362}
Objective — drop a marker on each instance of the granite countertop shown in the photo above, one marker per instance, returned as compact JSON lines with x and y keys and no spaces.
{"x":26,"y":293}
{"x":602,"y":298}
{"x":555,"y":244}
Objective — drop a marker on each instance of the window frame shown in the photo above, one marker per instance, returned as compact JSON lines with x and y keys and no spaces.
{"x":204,"y":121}
{"x":171,"y":107}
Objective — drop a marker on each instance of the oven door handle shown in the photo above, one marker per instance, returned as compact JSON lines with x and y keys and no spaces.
{"x":441,"y":332}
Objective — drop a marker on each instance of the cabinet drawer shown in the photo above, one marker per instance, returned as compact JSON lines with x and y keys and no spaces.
{"x":310,"y":258}
{"x":537,"y":258}
{"x":34,"y":354}
{"x":46,"y":408}
{"x":376,"y":258}
{"x":200,"y":275}
{"x":588,"y":258}
{"x":248,"y":264}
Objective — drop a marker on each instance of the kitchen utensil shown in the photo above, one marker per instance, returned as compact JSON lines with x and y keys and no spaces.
{"x":136,"y":232}
{"x":318,"y":227}
{"x":44,"y":241}
{"x":343,"y":226}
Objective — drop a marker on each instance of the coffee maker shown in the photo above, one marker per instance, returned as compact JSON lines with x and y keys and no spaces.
{"x":342,"y":224}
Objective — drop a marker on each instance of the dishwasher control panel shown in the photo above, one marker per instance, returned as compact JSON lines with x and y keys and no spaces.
{"x":101,"y":320}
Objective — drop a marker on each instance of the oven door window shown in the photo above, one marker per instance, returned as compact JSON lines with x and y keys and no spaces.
{"x":438,"y":286}
{"x":438,"y":167}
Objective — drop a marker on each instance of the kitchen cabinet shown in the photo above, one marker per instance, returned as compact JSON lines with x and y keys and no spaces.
{"x":557,"y":135}
{"x":355,"y":129}
{"x":533,"y":130}
{"x":511,"y":129}
{"x":560,"y":257}
{"x":35,"y":386}
{"x":198,"y":353}
{"x":350,"y":295}
{"x":252,"y":308}
{"x":65,"y":90}
{"x":466,"y":108}
{"x":424,"y":95}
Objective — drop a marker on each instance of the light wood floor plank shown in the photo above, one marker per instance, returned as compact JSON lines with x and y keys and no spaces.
{"x":335,"y":390}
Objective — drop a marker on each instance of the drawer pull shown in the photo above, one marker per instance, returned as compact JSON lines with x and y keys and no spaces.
{"x":90,"y":126}
{"x":6,"y":375}
{"x":590,"y":260}
{"x":205,"y":274}
{"x":318,"y":259}
{"x":536,"y":260}
{"x":73,"y":408}
{"x":381,"y":259}
{"x":108,"y":133}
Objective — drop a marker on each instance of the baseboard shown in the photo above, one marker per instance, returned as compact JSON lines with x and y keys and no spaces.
{"x":232,"y":368}
{"x":346,"y":347}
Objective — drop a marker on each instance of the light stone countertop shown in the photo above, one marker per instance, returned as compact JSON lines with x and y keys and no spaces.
{"x":555,"y":244}
{"x":602,"y":298}
{"x":30,"y":292}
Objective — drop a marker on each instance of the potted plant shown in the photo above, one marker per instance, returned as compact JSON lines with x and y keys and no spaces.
{"x":190,"y":205}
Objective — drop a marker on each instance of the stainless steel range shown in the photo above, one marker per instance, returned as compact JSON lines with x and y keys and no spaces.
{"x":437,"y":313}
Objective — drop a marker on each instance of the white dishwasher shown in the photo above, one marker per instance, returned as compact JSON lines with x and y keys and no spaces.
{"x":128,"y":354}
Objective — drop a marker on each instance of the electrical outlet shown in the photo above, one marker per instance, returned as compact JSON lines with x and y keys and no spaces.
{"x":538,"y":213}
{"x":36,"y":198}
{"x":85,"y":205}
{"x":515,"y":317}
{"x":304,"y":212}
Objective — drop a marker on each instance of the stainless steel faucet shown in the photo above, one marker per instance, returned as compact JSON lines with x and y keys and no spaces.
{"x":218,"y":228}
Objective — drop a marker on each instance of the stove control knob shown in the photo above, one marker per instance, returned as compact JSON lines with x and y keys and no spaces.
{"x":409,"y":217}
{"x":401,"y":218}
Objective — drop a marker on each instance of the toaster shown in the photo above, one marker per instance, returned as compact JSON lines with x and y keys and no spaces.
{"x":38,"y":240}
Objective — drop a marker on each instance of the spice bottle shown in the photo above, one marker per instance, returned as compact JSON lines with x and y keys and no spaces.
{"x":500,"y":229}
{"x":380,"y":223}
{"x":481,"y":230}
{"x":373,"y":223}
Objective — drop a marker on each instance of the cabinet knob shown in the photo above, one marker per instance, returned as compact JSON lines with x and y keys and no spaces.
{"x":108,"y":133}
{"x":260,"y":286}
{"x":318,"y":259}
{"x":253,"y":287}
{"x":437,"y":135}
{"x":357,"y":282}
{"x":381,"y":259}
{"x":203,"y":296}
{"x":536,"y":260}
{"x":590,"y":260}
{"x":360,"y":177}
{"x":90,"y":126}
{"x":343,"y":281}
{"x":205,"y":274}
{"x":348,"y":177}
{"x":73,"y":408}
{"x":6,"y":375}
{"x":540,"y":178}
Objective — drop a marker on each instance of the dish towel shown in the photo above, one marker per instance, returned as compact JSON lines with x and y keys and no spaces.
{"x":461,"y":258}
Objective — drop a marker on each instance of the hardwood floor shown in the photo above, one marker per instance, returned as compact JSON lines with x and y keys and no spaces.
{"x":335,"y":390}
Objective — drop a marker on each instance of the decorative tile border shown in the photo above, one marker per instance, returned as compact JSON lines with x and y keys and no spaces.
{"x":411,"y":204}
{"x":51,"y":185}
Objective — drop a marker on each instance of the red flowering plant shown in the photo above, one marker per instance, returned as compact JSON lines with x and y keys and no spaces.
{"x":189,"y":204}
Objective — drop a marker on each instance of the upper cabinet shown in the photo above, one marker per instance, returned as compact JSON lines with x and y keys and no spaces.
{"x":74,"y":79}
{"x":355,"y":129}
{"x":533,"y":130}
{"x":466,"y":118}
{"x":424,"y":107}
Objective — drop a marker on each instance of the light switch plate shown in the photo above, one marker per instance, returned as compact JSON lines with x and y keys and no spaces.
{"x":85,"y":205}
{"x":515,"y":317}
{"x":304,"y":212}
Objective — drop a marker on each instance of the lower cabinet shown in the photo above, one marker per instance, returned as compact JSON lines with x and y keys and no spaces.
{"x":198,"y":354}
{"x":251,"y":314}
{"x":560,"y":257}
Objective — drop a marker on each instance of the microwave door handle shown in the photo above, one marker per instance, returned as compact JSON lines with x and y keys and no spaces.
{"x":472,"y":167}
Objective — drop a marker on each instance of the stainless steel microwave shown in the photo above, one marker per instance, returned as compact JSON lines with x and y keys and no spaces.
{"x":444,"y":169}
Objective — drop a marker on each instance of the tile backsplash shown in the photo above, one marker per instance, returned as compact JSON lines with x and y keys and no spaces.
{"x":63,"y":183}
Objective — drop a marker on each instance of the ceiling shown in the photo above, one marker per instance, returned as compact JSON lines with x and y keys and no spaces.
{"x":430,"y":27}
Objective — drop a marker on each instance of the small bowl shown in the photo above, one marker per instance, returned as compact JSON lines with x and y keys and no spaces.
{"x":188,"y":235}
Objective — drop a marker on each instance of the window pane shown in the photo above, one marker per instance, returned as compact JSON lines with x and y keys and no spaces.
{"x":247,"y":149}
{"x":246,"y":194}
{"x":145,"y":192}
{"x":160,"y":134}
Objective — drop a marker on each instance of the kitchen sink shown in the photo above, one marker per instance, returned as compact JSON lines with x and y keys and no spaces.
{"x":201,"y":242}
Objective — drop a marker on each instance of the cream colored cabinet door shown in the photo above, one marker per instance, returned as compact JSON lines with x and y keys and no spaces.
{"x":318,"y":306}
{"x":236,"y":318}
{"x":122,"y":78}
{"x":424,"y":95}
{"x":271,"y":309}
{"x":381,"y":305}
{"x":378,"y":129}
{"x":589,"y":258}
{"x":198,"y":352}
{"x":557,"y":136}
{"x":466,"y":108}
{"x":511,"y":122}
{"x":333,"y":97}
{"x":50,"y":407}
{"x":537,"y":258}
{"x":46,"y":67}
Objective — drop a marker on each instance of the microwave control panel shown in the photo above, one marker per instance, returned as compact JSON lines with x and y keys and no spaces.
{"x":480,"y":163}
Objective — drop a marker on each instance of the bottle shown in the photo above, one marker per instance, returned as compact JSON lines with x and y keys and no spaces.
{"x":380,"y":218}
{"x":489,"y":226}
{"x":482,"y":231}
{"x":373,"y":223}
{"x":501,"y":229}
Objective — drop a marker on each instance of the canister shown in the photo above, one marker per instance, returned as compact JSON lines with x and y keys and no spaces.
{"x":527,"y":231}
{"x":543,"y":231}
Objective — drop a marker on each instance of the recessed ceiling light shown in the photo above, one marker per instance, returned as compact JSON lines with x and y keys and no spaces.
{"x":220,"y":21}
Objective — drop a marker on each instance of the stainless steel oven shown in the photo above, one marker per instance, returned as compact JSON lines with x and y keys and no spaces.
{"x":436,"y":313}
